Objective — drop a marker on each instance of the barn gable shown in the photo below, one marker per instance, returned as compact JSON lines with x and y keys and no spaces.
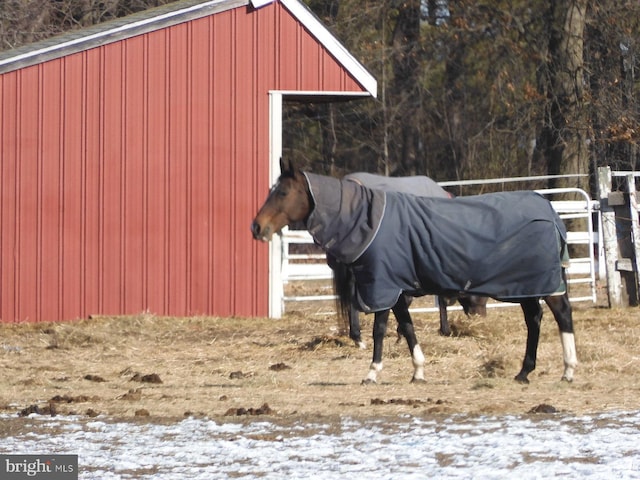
{"x":133,"y":155}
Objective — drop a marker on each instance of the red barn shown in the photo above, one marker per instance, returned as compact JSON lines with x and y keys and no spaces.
{"x":134,"y":154}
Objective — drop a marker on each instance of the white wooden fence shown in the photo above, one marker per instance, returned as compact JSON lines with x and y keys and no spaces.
{"x":288,"y":265}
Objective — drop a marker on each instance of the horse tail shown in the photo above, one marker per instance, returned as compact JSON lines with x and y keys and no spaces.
{"x":344,"y":288}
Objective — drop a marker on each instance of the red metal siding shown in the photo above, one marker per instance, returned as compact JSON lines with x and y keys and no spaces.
{"x":72,"y":189}
{"x":178,"y":165}
{"x":156,"y":180}
{"x":27,"y":197}
{"x":303,"y":63}
{"x":200,"y":274}
{"x":131,"y":171}
{"x":110,"y":195}
{"x":8,"y":219}
{"x":243,"y":139}
{"x":93,"y":265}
{"x":223,"y":158}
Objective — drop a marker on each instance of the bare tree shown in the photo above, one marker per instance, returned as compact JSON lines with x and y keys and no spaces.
{"x":563,"y":139}
{"x":613,"y":63}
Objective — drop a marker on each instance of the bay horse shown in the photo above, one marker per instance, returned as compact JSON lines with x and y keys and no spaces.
{"x":509,"y":246}
{"x":343,"y":281}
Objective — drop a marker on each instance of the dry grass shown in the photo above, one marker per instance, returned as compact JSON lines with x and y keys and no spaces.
{"x":302,"y":366}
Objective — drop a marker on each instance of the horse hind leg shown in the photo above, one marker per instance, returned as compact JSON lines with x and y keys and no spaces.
{"x":443,"y":302}
{"x":354,"y":327}
{"x":408,"y":299}
{"x":561,"y":309}
{"x":532,"y":317}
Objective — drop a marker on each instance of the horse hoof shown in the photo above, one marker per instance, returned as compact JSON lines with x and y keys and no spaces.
{"x":565,"y":379}
{"x":418,"y":380}
{"x":446,"y":333}
{"x":368,"y":381}
{"x":521,"y":379}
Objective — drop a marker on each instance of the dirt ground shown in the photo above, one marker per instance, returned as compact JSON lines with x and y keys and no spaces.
{"x":301,"y":367}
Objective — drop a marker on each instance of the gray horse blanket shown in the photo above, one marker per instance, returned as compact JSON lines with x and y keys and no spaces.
{"x":502,"y":245}
{"x":415,"y":185}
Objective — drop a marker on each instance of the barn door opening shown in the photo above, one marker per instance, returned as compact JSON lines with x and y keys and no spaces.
{"x":295,"y":132}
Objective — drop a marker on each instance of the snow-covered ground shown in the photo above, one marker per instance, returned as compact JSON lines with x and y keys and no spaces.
{"x":528,"y":447}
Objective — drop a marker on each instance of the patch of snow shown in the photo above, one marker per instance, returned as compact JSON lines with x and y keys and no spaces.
{"x":488,"y":447}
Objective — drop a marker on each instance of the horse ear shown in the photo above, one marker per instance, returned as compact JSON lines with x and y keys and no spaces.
{"x":287,"y":168}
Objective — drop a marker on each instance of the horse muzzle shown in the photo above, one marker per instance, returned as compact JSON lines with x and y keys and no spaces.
{"x":259,"y":233}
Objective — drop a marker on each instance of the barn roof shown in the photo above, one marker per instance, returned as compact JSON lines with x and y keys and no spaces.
{"x":172,"y":14}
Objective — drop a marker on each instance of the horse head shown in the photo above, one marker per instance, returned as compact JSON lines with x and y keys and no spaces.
{"x":288,"y":202}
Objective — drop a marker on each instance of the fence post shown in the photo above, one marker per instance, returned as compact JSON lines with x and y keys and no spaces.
{"x":276,"y":288}
{"x":635,"y":228}
{"x":610,"y":239}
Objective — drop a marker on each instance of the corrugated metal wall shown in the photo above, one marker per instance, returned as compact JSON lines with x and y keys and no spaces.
{"x":130,"y":172}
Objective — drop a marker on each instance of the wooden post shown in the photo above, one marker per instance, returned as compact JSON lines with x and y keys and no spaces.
{"x":276,"y":289}
{"x":614,"y":282}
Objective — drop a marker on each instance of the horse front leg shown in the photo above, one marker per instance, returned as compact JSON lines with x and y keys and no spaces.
{"x":561,"y":309}
{"x":532,"y":317}
{"x":405,"y":326}
{"x":379,"y":331}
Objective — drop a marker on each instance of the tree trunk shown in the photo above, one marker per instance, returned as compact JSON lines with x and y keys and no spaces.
{"x":563,"y":138}
{"x":405,"y":61}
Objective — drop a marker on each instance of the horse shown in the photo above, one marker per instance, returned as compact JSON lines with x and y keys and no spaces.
{"x":343,"y":280}
{"x":510,"y":246}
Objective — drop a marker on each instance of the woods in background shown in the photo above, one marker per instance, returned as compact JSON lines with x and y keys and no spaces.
{"x":481,"y":89}
{"x":466,"y":88}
